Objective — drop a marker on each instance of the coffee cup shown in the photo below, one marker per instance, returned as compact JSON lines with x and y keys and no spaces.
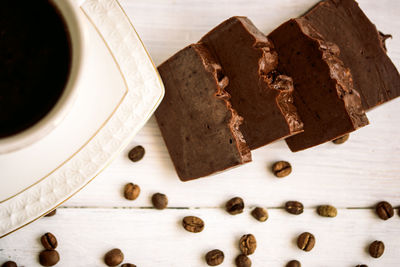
{"x":22,"y":97}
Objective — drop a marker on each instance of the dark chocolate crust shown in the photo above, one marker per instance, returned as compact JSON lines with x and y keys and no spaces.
{"x":260,"y":94}
{"x":198,"y":124}
{"x":362,"y":48}
{"x":324,"y":94}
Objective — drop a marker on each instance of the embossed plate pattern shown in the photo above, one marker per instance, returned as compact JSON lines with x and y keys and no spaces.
{"x":144,"y":93}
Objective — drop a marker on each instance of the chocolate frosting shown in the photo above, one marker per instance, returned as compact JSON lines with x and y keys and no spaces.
{"x":362,"y":47}
{"x":260,"y":94}
{"x":197,"y":121}
{"x":344,"y":80}
{"x":383,"y":37}
{"x":323,"y":88}
{"x":284,"y":86}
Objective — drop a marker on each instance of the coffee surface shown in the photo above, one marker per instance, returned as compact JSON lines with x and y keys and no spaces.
{"x":35,"y":60}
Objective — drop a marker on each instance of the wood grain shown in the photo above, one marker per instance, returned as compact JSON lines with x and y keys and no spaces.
{"x":166,"y":26}
{"x":156,"y":238}
{"x":353,"y":176}
{"x":359,"y":173}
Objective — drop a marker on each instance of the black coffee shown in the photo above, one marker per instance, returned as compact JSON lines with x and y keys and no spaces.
{"x":35,"y":59}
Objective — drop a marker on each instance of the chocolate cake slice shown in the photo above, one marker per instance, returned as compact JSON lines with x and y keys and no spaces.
{"x":362,"y":49}
{"x":197,"y":122}
{"x":324,"y":94}
{"x":260,"y":94}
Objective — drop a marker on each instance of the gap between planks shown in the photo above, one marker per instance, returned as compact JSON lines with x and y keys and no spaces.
{"x":203,"y":208}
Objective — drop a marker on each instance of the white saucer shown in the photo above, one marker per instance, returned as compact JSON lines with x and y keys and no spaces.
{"x":120,"y":92}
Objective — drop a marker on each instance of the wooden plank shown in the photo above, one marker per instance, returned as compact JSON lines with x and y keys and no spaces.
{"x":358,"y":173}
{"x":156,"y":238}
{"x":166,"y":26}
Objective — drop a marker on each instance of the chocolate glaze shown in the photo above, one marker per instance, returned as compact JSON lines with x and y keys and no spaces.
{"x":260,"y":94}
{"x":324,"y":94}
{"x":383,"y":37}
{"x":197,"y":121}
{"x":362,"y":48}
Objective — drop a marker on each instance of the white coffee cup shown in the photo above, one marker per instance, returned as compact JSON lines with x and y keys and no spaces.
{"x":75,"y":24}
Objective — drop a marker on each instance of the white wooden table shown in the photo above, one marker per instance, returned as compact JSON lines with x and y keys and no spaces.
{"x":353,"y":176}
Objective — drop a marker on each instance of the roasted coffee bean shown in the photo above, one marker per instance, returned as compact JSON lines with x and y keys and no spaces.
{"x":51,"y":213}
{"x":294,"y":207}
{"x":293,"y":263}
{"x":235,"y":206}
{"x":247,"y":244}
{"x":114,"y":257}
{"x":281,"y":169}
{"x":136,"y":153}
{"x":49,"y":241}
{"x":327,"y":211}
{"x":160,"y":201}
{"x":384,"y":210}
{"x":215,"y":257}
{"x":193,"y":224}
{"x":306,"y":241}
{"x":9,"y":264}
{"x":131,"y":191}
{"x":362,"y":265}
{"x":243,"y":261}
{"x":376,"y":249}
{"x":128,"y":265}
{"x":49,"y":257}
{"x":260,"y":214}
{"x":341,"y":139}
